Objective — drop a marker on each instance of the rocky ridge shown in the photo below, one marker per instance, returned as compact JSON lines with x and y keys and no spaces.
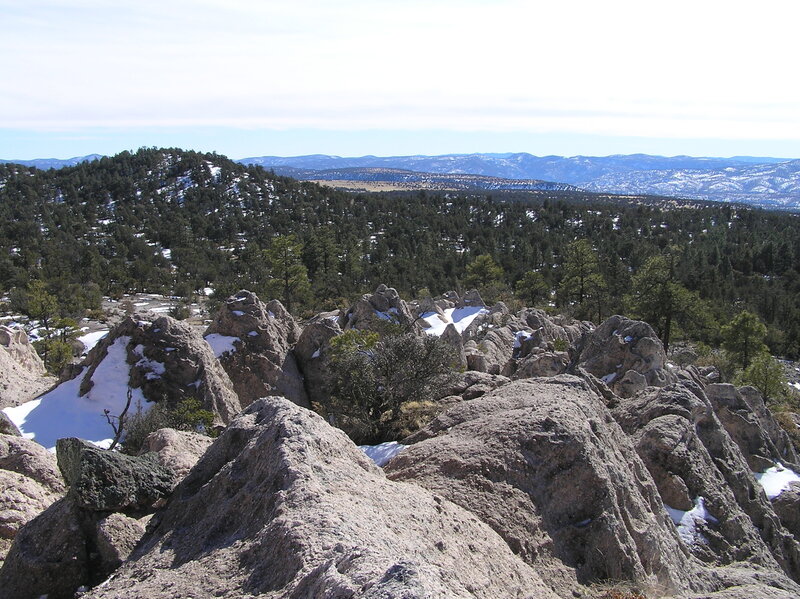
{"x":571,"y":454}
{"x":260,"y":338}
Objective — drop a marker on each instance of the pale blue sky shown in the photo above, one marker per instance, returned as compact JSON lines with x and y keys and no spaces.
{"x":388,"y":77}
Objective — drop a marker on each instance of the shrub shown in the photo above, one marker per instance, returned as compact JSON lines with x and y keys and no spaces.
{"x":373,"y":379}
{"x":766,"y":374}
{"x":188,"y":415}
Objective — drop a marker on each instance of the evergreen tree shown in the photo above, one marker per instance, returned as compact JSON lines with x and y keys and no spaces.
{"x":660,"y":300}
{"x":766,"y":374}
{"x":484,"y":273}
{"x":288,"y":276}
{"x":744,"y":338}
{"x":582,"y":285}
{"x":532,"y":288}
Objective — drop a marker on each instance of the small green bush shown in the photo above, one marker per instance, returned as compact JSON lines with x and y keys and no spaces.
{"x":188,"y":415}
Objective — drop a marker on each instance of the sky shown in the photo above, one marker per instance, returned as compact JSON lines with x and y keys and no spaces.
{"x":395,"y":77}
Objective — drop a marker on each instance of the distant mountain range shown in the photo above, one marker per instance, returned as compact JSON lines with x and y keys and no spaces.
{"x":48,"y":163}
{"x":761,"y":181}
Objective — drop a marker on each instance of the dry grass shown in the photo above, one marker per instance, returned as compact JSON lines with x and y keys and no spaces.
{"x":619,"y":590}
{"x":621,"y":594}
{"x":376,"y":186}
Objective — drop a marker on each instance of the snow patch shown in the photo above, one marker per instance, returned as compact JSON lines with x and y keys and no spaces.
{"x":381,"y":454}
{"x":687,"y":522}
{"x":63,"y":412}
{"x":154,"y":369}
{"x":609,"y":378}
{"x":461,"y":318}
{"x":520,"y":337}
{"x":89,"y":340}
{"x":221,"y":344}
{"x":776,"y":479}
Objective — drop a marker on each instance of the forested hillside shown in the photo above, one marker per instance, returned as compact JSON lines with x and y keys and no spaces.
{"x":175,"y":222}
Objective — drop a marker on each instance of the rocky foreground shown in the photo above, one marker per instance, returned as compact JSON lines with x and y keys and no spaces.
{"x":601,"y":471}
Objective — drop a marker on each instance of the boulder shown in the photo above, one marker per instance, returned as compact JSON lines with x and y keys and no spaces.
{"x":472,"y":383}
{"x":254,"y":343}
{"x":31,"y":460}
{"x":284,"y":505}
{"x":543,"y":363}
{"x":22,"y":372}
{"x":102,"y":480}
{"x":453,"y":338}
{"x":698,"y":468}
{"x":169,"y":360}
{"x":115,"y":537}
{"x":372,"y":309}
{"x":492,"y":352}
{"x":177,"y":451}
{"x":29,"y":483}
{"x":546,"y":329}
{"x":787,"y":507}
{"x":66,"y":548}
{"x":311,"y":353}
{"x":544,"y":464}
{"x":49,"y":556}
{"x":751,"y":425}
{"x":620,"y":345}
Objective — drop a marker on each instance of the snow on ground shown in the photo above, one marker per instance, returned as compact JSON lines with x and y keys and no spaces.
{"x":687,"y":521}
{"x":89,"y":340}
{"x":381,"y":454}
{"x":154,"y":369}
{"x":221,"y":344}
{"x":63,"y":412}
{"x":521,"y":337}
{"x":461,"y":318}
{"x":776,"y":479}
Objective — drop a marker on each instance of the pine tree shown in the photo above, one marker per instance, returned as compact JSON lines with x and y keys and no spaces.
{"x":288,"y":276}
{"x":744,"y":338}
{"x":583,"y":286}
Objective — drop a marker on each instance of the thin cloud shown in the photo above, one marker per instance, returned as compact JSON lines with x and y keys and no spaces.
{"x":614,"y":68}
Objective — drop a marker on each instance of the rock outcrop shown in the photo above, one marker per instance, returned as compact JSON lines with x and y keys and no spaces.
{"x":544,"y":464}
{"x":166,"y":360}
{"x":720,"y":509}
{"x":29,"y":483}
{"x":22,"y":372}
{"x":7,"y":427}
{"x":626,"y":355}
{"x":752,"y":427}
{"x":254,"y":343}
{"x":176,"y":450}
{"x":107,"y":481}
{"x":384,"y":305}
{"x":311,"y":352}
{"x":80,"y":539}
{"x":282,"y":504}
{"x":787,"y":507}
